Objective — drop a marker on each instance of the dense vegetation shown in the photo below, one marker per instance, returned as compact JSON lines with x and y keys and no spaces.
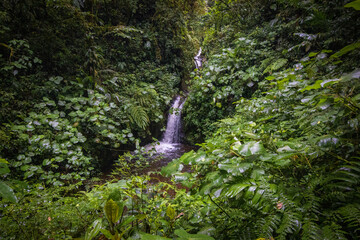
{"x":276,"y":104}
{"x":82,"y":83}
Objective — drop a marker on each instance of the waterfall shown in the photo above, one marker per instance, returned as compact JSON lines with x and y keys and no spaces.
{"x":198,"y":60}
{"x":170,"y":146}
{"x":173,"y":127}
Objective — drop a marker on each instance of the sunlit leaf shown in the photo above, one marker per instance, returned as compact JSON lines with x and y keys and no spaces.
{"x":7,"y":192}
{"x":354,"y":4}
{"x":235,"y":189}
{"x":249,"y":148}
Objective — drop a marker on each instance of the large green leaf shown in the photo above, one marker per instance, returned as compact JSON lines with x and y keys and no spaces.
{"x":235,"y":168}
{"x":346,"y":49}
{"x":183,"y":235}
{"x":257,"y":196}
{"x":235,"y":189}
{"x":112,"y":211}
{"x":93,"y":230}
{"x":316,"y":85}
{"x":187,"y":157}
{"x":146,"y":236}
{"x":249,"y":148}
{"x":354,"y":4}
{"x":7,"y":192}
{"x":192,"y":157}
{"x":183,"y":178}
{"x":257,"y":173}
{"x":3,"y":167}
{"x":173,"y":167}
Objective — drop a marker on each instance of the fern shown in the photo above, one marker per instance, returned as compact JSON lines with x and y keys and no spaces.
{"x":144,"y":96}
{"x":138,"y":116}
{"x":276,"y":65}
{"x":333,"y":232}
{"x":290,"y":223}
{"x":350,"y":215}
{"x":246,"y":234}
{"x":268,"y":226}
{"x":311,"y":230}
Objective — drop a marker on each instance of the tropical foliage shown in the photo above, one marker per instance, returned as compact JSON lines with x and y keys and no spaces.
{"x":74,"y":95}
{"x":282,"y":162}
{"x":86,"y":84}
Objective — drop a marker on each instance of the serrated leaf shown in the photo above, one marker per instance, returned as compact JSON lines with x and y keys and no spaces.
{"x":270,"y":78}
{"x":316,"y":85}
{"x":313,"y":54}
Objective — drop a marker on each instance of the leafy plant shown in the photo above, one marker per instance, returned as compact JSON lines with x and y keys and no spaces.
{"x":6,"y":191}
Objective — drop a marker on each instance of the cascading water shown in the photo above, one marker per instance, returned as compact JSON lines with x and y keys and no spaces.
{"x":170,"y":141}
{"x":198,"y":59}
{"x":170,"y":146}
{"x":173,"y":128}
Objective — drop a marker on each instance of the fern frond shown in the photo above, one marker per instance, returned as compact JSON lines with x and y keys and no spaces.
{"x":350,"y":215}
{"x":312,"y":204}
{"x":333,"y":232}
{"x":138,"y":116}
{"x":143,"y":96}
{"x":342,"y":183}
{"x":144,"y":100}
{"x":311,"y":230}
{"x":276,"y":65}
{"x":290,"y":223}
{"x":268,"y":226}
{"x":246,"y":234}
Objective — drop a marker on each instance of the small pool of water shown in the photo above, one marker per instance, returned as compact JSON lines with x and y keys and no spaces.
{"x":167,"y":152}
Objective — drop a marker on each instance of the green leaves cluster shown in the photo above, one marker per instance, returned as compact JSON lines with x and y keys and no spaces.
{"x":135,"y":209}
{"x":95,"y":79}
{"x":227,"y":77}
{"x":62,"y":139}
{"x":243,"y":49}
{"x":281,"y":161}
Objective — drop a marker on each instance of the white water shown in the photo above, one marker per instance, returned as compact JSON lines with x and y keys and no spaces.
{"x":198,"y":59}
{"x":173,"y":127}
{"x":170,"y":146}
{"x":171,"y":138}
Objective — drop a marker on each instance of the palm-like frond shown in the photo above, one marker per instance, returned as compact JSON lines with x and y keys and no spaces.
{"x":138,"y":116}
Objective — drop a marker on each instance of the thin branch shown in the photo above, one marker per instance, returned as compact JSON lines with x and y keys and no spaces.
{"x":219,"y":206}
